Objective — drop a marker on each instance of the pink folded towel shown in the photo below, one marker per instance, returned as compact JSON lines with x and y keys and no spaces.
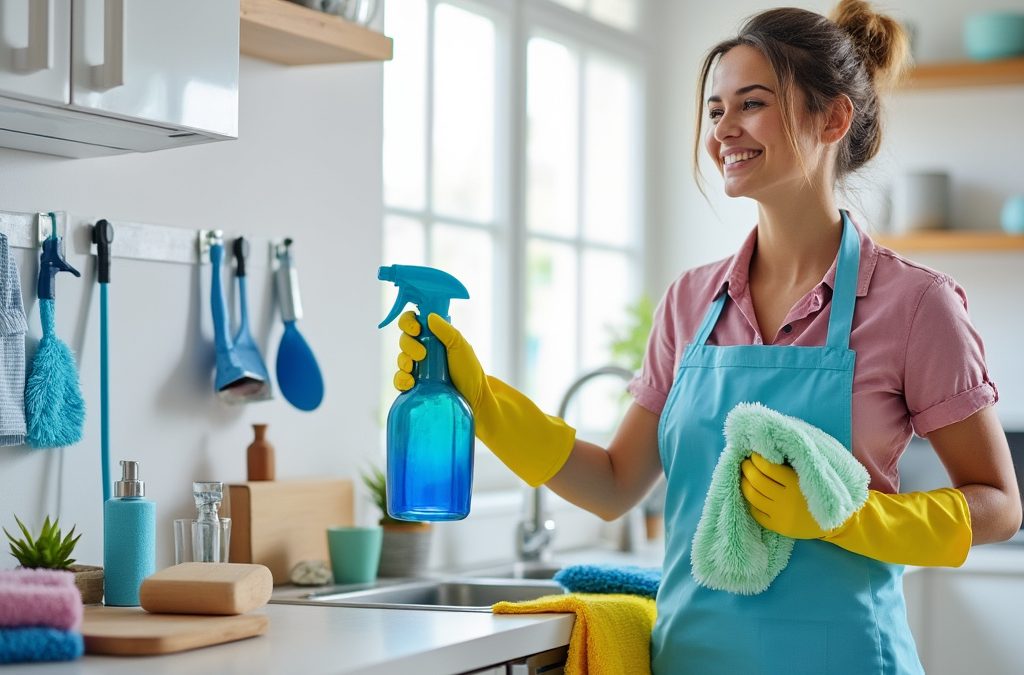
{"x":39,"y":577}
{"x":30,"y":597}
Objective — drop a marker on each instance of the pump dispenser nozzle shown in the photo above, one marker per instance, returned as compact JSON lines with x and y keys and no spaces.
{"x":129,"y":485}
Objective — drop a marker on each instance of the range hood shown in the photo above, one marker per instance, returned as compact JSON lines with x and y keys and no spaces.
{"x":68,"y":132}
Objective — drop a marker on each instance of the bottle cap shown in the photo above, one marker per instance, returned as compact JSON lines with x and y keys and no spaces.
{"x":129,"y":485}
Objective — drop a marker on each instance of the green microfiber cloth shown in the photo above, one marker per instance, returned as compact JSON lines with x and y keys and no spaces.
{"x":731,"y":551}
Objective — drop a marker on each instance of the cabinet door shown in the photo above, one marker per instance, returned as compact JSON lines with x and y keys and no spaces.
{"x":167,"y":63}
{"x":35,"y":50}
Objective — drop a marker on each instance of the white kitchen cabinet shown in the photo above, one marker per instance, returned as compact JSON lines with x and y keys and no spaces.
{"x":967,"y":620}
{"x":35,"y":50}
{"x":82,"y":78}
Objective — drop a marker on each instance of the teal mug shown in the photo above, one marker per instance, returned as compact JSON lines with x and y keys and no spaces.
{"x":355,"y":553}
{"x":1012,"y":215}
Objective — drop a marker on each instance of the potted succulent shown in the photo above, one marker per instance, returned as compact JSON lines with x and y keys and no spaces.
{"x":52,"y":549}
{"x":406,"y":548}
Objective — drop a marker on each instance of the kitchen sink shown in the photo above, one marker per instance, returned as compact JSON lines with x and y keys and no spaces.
{"x":463,"y":595}
{"x":520,"y":570}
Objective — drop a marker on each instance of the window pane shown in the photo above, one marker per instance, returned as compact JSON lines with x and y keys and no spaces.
{"x":404,"y":241}
{"x":552,"y":154}
{"x":405,"y":108}
{"x":468,"y":255}
{"x":624,"y":14}
{"x":612,"y":154}
{"x":551,"y":308}
{"x":607,"y":288}
{"x":464,"y":89}
{"x":572,"y":4}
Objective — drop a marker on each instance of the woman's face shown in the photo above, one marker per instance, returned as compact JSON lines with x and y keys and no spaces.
{"x":745,"y":136}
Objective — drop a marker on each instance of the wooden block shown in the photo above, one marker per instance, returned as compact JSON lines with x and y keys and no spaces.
{"x":207,"y":588}
{"x":131,"y":631}
{"x":282,"y":522}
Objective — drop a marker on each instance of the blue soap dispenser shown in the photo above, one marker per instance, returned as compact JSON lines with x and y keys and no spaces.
{"x":430,"y":427}
{"x":129,"y":539}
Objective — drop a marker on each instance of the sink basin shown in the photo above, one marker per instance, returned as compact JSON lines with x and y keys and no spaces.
{"x":464,"y":595}
{"x":520,"y":570}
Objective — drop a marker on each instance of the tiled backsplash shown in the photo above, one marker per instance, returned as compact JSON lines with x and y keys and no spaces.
{"x":920,"y":468}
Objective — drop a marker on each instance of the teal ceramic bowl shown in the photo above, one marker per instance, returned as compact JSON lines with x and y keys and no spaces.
{"x":994,"y":35}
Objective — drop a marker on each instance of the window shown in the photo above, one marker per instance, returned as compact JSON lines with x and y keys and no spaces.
{"x":513,"y":159}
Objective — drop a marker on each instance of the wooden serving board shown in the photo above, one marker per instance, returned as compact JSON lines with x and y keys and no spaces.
{"x":132,"y":631}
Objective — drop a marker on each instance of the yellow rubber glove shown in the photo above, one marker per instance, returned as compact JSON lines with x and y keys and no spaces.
{"x":534,"y":445}
{"x":928,"y":529}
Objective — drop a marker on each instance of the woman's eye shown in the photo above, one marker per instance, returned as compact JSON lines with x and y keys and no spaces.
{"x":747,"y":105}
{"x":715,"y":113}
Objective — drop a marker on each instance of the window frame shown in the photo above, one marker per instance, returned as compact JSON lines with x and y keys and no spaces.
{"x":516,"y":23}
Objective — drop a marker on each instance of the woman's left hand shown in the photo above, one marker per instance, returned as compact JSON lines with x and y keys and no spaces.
{"x":776,"y":502}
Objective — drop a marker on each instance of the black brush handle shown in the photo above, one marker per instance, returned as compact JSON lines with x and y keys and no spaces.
{"x":241,"y":249}
{"x":102,"y":235}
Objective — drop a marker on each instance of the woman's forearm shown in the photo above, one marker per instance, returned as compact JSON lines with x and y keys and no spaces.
{"x":610,"y":482}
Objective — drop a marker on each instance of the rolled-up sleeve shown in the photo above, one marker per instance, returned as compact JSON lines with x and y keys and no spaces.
{"x":946,"y":379}
{"x":650,"y":388}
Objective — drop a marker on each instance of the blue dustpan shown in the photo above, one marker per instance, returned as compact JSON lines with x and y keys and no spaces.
{"x":298,"y":374}
{"x":245,"y":349}
{"x":234,"y":381}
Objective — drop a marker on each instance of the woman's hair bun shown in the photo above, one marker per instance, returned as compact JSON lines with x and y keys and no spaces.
{"x":881,"y":41}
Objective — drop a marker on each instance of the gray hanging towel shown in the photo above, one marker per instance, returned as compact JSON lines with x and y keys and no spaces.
{"x":12,"y":350}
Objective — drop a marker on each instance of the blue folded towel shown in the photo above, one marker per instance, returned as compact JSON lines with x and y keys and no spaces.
{"x":23,"y":645}
{"x":628,"y":579}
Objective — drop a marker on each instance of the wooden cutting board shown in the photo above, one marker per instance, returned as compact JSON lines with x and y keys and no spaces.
{"x":132,"y":631}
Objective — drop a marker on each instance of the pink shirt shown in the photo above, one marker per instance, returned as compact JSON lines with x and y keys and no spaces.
{"x":920,"y":363}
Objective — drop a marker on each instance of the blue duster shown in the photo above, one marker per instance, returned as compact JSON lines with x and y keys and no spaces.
{"x":54,"y":407}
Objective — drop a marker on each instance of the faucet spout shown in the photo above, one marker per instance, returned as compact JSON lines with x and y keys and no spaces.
{"x":536,"y":532}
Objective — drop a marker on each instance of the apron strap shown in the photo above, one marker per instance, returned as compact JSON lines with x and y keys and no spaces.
{"x":710,"y":319}
{"x":844,"y":294}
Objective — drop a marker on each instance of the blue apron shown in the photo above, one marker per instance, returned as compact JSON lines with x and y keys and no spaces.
{"x":829,"y":611}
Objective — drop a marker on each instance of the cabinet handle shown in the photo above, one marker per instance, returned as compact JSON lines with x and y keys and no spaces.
{"x":38,"y":55}
{"x":110,"y":73}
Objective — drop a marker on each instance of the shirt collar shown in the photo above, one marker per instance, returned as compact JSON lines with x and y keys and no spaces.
{"x":737,"y":276}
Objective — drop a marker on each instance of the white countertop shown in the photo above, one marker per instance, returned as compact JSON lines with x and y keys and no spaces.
{"x":322,"y":640}
{"x":314,"y":640}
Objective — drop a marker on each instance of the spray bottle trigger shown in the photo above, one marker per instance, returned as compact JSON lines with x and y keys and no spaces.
{"x":399,"y":305}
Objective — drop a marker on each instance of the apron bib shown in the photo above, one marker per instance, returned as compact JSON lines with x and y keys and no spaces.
{"x":829,"y":610}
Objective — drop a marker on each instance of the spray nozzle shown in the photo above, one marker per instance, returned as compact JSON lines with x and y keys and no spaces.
{"x":428,"y":288}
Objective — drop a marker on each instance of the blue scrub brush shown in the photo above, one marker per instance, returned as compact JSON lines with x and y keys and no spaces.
{"x":54,"y":408}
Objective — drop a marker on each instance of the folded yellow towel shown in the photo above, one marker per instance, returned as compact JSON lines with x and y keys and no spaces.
{"x":612,"y":633}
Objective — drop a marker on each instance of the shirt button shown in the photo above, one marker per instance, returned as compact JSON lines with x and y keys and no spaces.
{"x":788,"y":328}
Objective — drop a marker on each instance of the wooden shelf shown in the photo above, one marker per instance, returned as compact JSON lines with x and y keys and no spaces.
{"x":966,"y":74}
{"x":284,"y":32}
{"x":953,"y":241}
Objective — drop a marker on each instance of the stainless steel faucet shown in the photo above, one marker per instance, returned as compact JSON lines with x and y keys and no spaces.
{"x":535,"y":533}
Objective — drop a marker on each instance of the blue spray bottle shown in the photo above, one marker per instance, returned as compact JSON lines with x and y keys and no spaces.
{"x":430,"y":427}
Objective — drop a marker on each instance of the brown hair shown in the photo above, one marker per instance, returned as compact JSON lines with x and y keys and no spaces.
{"x":854,"y":52}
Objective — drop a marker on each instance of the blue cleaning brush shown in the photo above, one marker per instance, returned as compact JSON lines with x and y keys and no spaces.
{"x":54,"y":408}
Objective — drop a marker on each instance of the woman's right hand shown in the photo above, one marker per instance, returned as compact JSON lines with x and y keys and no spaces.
{"x":532,"y":444}
{"x":464,"y":368}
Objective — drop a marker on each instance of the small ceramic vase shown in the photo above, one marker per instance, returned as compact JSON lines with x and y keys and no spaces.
{"x":260,"y":456}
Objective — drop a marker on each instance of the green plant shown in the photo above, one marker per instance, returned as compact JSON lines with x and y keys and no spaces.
{"x":629,"y":344}
{"x":377,"y":483}
{"x":50,"y":548}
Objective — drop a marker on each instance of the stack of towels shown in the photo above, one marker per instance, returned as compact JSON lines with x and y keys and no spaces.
{"x":40,"y":616}
{"x":615,"y":612}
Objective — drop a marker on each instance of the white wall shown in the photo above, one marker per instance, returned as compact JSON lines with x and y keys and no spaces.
{"x":307,"y":165}
{"x":974,"y":134}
